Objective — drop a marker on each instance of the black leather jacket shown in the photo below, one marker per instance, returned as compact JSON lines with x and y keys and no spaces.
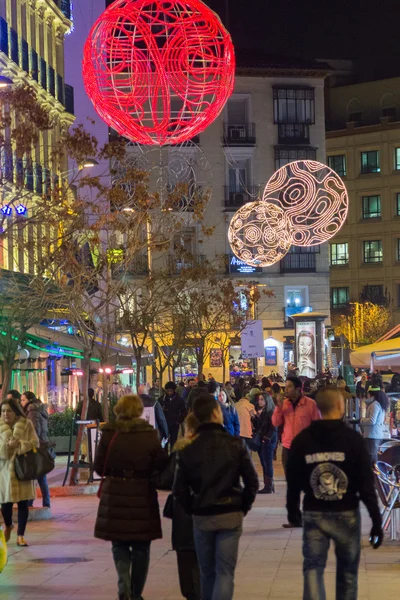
{"x":209,"y":473}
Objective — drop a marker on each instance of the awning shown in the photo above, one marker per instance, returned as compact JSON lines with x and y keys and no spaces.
{"x":381,"y":354}
{"x":60,"y":343}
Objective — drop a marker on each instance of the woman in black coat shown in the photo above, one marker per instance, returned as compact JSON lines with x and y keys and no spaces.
{"x":129,"y":455}
{"x":268,"y":436}
{"x":182,"y":522}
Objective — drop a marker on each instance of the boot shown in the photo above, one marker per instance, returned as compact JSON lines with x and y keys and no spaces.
{"x":269,"y":487}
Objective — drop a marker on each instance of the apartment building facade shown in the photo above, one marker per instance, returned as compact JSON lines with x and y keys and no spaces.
{"x":274,"y":116}
{"x":32,"y":36}
{"x":363,"y":146}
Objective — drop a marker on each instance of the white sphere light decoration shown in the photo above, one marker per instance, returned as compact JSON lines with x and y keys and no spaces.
{"x":313,"y":197}
{"x":259,"y":234}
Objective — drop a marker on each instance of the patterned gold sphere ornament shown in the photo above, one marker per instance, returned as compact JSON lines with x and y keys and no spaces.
{"x":259,"y":234}
{"x":313,"y":197}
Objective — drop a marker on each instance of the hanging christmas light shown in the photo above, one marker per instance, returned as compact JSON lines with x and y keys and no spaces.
{"x":314,"y":199}
{"x":158,"y":71}
{"x":259,"y":234}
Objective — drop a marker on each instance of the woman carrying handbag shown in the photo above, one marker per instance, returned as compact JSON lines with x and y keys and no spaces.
{"x":129,"y":455}
{"x":17,"y":437}
{"x":267,"y":436}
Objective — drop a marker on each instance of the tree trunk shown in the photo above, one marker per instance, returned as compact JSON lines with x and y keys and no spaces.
{"x":81,"y":428}
{"x":138,"y":357}
{"x":7,"y":373}
{"x":223,"y":368}
{"x":104,"y":400}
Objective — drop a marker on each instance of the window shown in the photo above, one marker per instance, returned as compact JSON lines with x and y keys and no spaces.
{"x":339,"y":297}
{"x":374,"y":294}
{"x":296,"y":297}
{"x":373,"y":252}
{"x":397,"y":159}
{"x":390,"y":112}
{"x":294,"y":105}
{"x":398,"y":249}
{"x":398,"y":203}
{"x":338,"y":164}
{"x":237,"y":110}
{"x":370,"y":162}
{"x":371,"y":207}
{"x":339,"y":254}
{"x":355,"y":117}
{"x":287,"y":155}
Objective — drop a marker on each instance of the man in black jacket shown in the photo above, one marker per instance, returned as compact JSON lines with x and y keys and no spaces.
{"x":208,"y":485}
{"x":328,"y":461}
{"x":174,"y":410}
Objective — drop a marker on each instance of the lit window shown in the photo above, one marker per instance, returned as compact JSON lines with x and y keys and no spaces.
{"x":397,"y":159}
{"x":339,"y":297}
{"x":338,"y":164}
{"x":339,"y":254}
{"x":398,"y":203}
{"x":370,"y":162}
{"x":371,"y":207}
{"x":373,"y":251}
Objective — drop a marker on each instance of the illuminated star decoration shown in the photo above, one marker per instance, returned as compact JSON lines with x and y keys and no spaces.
{"x":259,"y":234}
{"x":314,"y":199}
{"x":6,"y":210}
{"x":158,"y":71}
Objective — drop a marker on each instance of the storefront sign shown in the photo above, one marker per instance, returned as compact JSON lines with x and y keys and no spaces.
{"x":238,"y":266}
{"x":216,"y":357}
{"x":306,"y":349}
{"x":271,"y":356}
{"x":253,"y":340}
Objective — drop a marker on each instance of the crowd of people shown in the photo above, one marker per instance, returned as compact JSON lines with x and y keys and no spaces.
{"x":199,"y":443}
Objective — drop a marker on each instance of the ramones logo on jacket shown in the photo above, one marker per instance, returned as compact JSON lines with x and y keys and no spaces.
{"x":328,"y":482}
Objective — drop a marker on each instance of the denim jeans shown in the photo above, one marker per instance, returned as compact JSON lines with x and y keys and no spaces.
{"x":266,"y":454}
{"x":319,"y":528}
{"x":217,"y":552}
{"x":44,"y":488}
{"x":132,"y":563}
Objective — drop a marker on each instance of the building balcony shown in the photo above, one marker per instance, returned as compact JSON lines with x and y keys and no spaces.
{"x":293,"y":133}
{"x":138,"y":267}
{"x":239,"y":134}
{"x":298,"y":263}
{"x":177,"y":264}
{"x":236,"y":197}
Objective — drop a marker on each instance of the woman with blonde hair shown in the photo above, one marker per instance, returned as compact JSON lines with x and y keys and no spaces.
{"x":128,"y":457}
{"x":17,"y":436}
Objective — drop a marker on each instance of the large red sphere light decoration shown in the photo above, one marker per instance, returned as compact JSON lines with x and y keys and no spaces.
{"x":158,"y":71}
{"x":313,"y":197}
{"x":259,"y":234}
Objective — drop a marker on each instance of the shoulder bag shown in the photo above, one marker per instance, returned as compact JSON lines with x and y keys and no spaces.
{"x":33,"y":464}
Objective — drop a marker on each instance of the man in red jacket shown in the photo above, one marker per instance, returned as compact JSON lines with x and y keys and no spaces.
{"x":295,"y":412}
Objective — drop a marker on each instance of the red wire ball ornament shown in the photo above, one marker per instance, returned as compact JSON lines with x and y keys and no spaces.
{"x":158,"y":71}
{"x":314,"y":199}
{"x":259,"y":234}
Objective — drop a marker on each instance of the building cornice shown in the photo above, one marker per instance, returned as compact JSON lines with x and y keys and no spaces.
{"x":282,"y":72}
{"x":349,"y":131}
{"x":48,"y":9}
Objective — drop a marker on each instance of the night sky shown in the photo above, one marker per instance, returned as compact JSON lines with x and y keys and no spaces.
{"x":368,"y":31}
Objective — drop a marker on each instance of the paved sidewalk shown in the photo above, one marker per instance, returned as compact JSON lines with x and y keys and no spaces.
{"x":269,"y":564}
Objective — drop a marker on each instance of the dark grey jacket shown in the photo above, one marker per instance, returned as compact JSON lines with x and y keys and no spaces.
{"x":36,"y":411}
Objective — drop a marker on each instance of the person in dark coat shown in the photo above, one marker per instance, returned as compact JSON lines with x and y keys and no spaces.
{"x":197,"y":390}
{"x":129,"y":455}
{"x":268,"y":437}
{"x":174,"y":410}
{"x":94,"y":410}
{"x":160,"y":424}
{"x":36,"y":412}
{"x":208,"y":484}
{"x":182,"y":522}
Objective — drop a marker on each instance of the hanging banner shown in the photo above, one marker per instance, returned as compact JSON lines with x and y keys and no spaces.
{"x":216,"y":357}
{"x":252,"y":339}
{"x":306,"y":349}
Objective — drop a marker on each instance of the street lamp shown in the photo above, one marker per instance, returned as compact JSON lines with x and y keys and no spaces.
{"x":90,"y":162}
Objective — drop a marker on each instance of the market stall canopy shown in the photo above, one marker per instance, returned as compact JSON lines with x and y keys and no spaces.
{"x":380,"y":354}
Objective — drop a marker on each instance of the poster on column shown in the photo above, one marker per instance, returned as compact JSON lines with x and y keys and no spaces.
{"x":252,"y":339}
{"x":271,"y":356}
{"x":306,"y":349}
